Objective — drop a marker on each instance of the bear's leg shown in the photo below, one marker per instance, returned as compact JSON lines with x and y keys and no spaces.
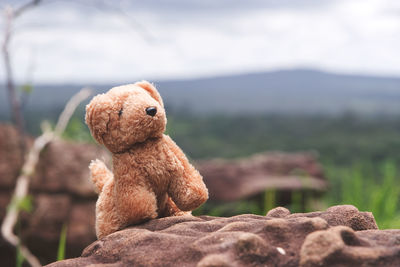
{"x":169,"y":208}
{"x":107,"y":220}
{"x":107,"y":223}
{"x":135,"y":204}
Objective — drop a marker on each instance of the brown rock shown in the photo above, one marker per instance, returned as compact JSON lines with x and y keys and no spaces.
{"x":229,"y":180}
{"x":81,"y":229}
{"x":4,"y":201}
{"x":349,"y":216}
{"x":50,"y":214}
{"x":247,"y":240}
{"x":10,"y":158}
{"x":62,"y":167}
{"x":279,"y":212}
{"x":342,"y":246}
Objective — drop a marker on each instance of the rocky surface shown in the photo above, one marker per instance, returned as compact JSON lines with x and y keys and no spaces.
{"x":230,"y":180}
{"x":339,"y":236}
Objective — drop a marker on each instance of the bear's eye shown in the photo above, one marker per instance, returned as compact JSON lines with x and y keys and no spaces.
{"x":120,"y":112}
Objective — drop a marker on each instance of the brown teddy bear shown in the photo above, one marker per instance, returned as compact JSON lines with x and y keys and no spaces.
{"x":151,"y":175}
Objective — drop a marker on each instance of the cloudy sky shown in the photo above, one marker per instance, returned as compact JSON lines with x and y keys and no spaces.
{"x":94,"y":41}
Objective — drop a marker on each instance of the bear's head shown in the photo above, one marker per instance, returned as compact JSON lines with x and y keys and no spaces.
{"x":126,"y":115}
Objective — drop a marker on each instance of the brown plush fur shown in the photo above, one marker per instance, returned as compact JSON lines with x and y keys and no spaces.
{"x":151,"y":176}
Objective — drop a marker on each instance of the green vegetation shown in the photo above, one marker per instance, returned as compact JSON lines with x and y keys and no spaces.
{"x":339,"y":140}
{"x":62,"y":243}
{"x":19,"y":258}
{"x":77,"y":131}
{"x":360,"y":154}
{"x":378,"y":193}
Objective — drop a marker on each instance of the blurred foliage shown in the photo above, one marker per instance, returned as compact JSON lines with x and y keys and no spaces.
{"x":378,"y":192}
{"x":230,"y":208}
{"x":77,"y":131}
{"x":22,"y":204}
{"x":26,"y":88}
{"x":338,"y":140}
{"x":19,"y":258}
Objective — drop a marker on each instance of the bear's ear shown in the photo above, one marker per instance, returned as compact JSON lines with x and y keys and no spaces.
{"x":98,"y":116}
{"x":151,"y":90}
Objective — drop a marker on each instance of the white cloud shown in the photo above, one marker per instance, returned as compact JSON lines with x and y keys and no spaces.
{"x":76,"y":44}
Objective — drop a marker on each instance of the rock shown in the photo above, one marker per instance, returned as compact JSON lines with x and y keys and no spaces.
{"x":342,"y":246}
{"x":62,"y":167}
{"x":278,"y":212}
{"x":230,"y":180}
{"x":349,"y":216}
{"x":10,"y":159}
{"x":278,"y":239}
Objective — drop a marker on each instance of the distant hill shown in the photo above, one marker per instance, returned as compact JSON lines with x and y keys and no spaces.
{"x":285,"y":91}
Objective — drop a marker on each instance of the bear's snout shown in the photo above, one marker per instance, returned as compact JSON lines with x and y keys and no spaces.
{"x":151,"y":111}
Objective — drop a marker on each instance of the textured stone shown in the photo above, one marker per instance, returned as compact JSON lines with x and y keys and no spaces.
{"x":310,"y":239}
{"x":342,"y":246}
{"x":349,"y":216}
{"x":230,"y":180}
{"x":10,"y":158}
{"x":62,"y":167}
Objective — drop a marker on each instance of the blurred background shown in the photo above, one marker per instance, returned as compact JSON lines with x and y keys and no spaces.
{"x":291,"y":103}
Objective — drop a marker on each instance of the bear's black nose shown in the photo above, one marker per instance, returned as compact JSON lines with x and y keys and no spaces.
{"x":151,"y":111}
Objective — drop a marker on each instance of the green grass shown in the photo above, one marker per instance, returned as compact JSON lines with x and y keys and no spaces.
{"x":377,"y":192}
{"x":62,"y":243}
{"x":19,"y":258}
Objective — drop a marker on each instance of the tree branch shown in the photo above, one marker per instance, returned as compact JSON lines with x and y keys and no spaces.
{"x":10,"y":14}
{"x":25,"y":7}
{"x":28,"y":169}
{"x":12,"y":94}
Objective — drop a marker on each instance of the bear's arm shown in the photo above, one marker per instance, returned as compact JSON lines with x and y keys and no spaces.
{"x":187,"y":188}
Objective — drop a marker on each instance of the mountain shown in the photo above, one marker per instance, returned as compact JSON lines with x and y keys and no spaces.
{"x":284,"y":91}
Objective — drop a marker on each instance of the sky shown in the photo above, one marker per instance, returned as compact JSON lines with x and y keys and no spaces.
{"x":94,"y":41}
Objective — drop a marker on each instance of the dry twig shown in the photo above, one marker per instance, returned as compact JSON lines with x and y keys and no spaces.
{"x":10,"y":14}
{"x":28,"y":169}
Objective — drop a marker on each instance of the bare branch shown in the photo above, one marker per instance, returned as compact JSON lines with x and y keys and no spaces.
{"x":28,"y":169}
{"x":10,"y":15}
{"x":135,"y":25}
{"x":11,"y":89}
{"x":25,"y":7}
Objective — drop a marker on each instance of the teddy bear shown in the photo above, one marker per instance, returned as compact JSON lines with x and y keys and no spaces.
{"x":151,"y":176}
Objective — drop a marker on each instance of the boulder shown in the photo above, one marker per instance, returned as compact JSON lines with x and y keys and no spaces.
{"x":231,"y":180}
{"x":339,"y":236}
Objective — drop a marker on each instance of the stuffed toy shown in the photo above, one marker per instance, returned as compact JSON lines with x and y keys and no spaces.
{"x":151,"y":176}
